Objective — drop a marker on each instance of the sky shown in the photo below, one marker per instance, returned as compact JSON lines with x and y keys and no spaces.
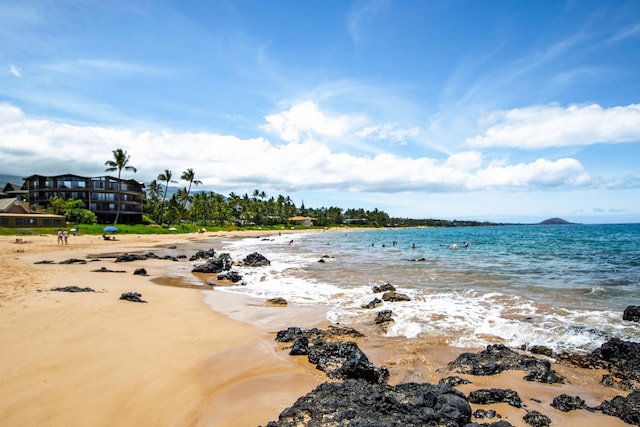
{"x":497,"y":110}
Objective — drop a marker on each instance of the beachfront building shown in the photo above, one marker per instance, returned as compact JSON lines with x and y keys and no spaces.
{"x":11,"y":190}
{"x":16,"y":213}
{"x":98,"y":194}
{"x":306,"y":221}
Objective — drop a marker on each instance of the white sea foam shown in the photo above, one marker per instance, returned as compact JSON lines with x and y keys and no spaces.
{"x":458,"y":313}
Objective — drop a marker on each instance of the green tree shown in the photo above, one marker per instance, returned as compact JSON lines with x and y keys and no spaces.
{"x":166,"y":176}
{"x":120,"y":161}
{"x":152,"y":203}
{"x":190,"y":176}
{"x":72,"y":210}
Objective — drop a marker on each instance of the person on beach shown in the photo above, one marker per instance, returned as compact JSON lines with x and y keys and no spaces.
{"x":60,"y":237}
{"x":65,"y":237}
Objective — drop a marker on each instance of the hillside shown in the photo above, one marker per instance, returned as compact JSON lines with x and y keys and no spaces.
{"x":554,"y":221}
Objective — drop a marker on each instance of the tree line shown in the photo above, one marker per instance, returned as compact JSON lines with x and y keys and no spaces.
{"x":255,"y":209}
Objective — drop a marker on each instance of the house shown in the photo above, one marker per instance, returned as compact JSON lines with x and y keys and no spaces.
{"x":16,"y":213}
{"x":11,"y":190}
{"x":101,"y":195}
{"x":302,"y":220}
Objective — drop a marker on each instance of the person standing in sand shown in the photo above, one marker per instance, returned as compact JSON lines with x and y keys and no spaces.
{"x":59,"y":236}
{"x":65,"y":236}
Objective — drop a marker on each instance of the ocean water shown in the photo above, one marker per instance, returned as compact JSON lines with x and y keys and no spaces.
{"x":563,"y":286}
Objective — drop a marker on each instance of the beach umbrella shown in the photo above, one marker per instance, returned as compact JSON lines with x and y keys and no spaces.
{"x":110,"y":229}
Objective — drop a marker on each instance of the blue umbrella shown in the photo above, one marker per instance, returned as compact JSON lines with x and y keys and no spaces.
{"x":110,"y":229}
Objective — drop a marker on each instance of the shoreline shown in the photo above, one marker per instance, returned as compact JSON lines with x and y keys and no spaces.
{"x":189,"y":356}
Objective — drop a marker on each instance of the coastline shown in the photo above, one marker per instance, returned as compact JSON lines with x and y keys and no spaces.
{"x":188,"y":356}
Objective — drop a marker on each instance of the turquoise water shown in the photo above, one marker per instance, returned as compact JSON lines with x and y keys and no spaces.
{"x":564,"y":286}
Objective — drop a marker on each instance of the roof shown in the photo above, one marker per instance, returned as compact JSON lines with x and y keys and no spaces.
{"x":13,"y":188}
{"x":13,"y":205}
{"x":301,"y":218}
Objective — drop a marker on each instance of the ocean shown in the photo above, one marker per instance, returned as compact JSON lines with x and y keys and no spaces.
{"x":561,"y":286}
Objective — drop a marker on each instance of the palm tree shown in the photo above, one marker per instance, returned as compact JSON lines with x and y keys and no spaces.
{"x":189,"y":175}
{"x":166,"y":177}
{"x":120,"y":161}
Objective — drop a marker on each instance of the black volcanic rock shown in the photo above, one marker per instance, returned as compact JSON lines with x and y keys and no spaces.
{"x":495,"y":395}
{"x":621,"y":357}
{"x":360,"y":403}
{"x":222,"y":262}
{"x":498,"y":358}
{"x":625,"y":408}
{"x":566,"y":403}
{"x":632,"y":313}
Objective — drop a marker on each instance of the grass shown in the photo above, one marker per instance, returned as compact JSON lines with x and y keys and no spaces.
{"x":97,"y":229}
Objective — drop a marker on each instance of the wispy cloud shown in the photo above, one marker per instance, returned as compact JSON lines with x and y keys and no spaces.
{"x":627,"y":32}
{"x":360,"y":17}
{"x":15,"y":71}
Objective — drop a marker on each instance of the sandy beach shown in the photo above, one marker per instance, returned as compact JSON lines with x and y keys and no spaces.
{"x":79,"y":359}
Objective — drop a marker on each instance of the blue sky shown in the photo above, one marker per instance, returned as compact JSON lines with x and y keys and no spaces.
{"x":487,"y":110}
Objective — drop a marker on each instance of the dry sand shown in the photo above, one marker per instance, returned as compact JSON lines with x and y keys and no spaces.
{"x":90,"y":359}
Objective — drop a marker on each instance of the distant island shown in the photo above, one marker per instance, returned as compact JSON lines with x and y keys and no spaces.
{"x":554,"y":221}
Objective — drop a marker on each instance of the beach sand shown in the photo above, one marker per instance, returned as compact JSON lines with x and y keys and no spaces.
{"x":188,"y":357}
{"x":91,"y":359}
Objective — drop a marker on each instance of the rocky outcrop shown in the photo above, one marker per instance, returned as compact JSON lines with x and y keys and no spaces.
{"x":209,"y":253}
{"x":130,"y":257}
{"x":361,"y":403}
{"x":495,"y":395}
{"x":331,"y":334}
{"x":232,"y":276}
{"x":383,"y":316}
{"x":132,"y":296}
{"x":625,"y":408}
{"x":255,"y":260}
{"x":140,"y":272}
{"x":332,"y":353}
{"x":106,"y":270}
{"x":141,"y":257}
{"x":566,"y":403}
{"x":395,"y":297}
{"x":376,"y":302}
{"x":222,"y":262}
{"x":498,"y":358}
{"x":73,"y":261}
{"x":345,"y":360}
{"x":632,"y":313}
{"x":622,"y":358}
{"x":72,"y":289}
{"x":536,"y":419}
{"x":387,"y":287}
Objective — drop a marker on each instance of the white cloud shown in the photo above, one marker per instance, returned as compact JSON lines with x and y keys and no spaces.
{"x":305,"y":119}
{"x":227,"y":163}
{"x":15,"y":71}
{"x":545,"y":126}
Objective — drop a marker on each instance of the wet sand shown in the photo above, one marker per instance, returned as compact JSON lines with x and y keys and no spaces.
{"x":190,"y":356}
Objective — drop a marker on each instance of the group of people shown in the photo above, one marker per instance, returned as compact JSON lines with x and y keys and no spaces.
{"x":63,"y":237}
